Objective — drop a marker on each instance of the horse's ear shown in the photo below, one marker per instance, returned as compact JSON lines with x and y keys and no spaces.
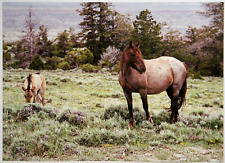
{"x":137,"y":44}
{"x":130,"y":45}
{"x":23,"y":88}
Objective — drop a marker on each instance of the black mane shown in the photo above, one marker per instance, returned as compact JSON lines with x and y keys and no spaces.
{"x":29,"y":82}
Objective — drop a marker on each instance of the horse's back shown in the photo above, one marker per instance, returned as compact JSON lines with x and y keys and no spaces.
{"x":167,"y":63}
{"x":37,"y":81}
{"x":162,"y":72}
{"x":178,"y":68}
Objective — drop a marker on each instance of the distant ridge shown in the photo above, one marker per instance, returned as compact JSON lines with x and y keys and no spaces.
{"x":58,"y":16}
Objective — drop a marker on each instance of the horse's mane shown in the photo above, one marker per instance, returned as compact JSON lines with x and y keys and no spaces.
{"x":122,"y":66}
{"x":29,"y":82}
{"x":122,"y":58}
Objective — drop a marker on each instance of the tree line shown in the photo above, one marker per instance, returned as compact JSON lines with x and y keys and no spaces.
{"x":105,"y":33}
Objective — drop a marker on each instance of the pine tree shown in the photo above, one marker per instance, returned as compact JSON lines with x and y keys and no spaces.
{"x":97,"y":27}
{"x":122,"y":31}
{"x":63,"y":43}
{"x":74,"y":39}
{"x":43,"y":44}
{"x":36,"y":64}
{"x":148,"y":32}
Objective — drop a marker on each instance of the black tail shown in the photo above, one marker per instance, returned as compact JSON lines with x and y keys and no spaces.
{"x":183,"y":91}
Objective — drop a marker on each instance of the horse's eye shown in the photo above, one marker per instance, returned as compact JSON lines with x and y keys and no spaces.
{"x":132,"y":54}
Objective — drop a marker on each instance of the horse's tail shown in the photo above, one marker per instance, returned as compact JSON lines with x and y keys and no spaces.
{"x":183,"y":90}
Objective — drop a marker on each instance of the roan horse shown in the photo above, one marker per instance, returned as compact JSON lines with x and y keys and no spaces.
{"x":152,"y":77}
{"x":33,"y":85}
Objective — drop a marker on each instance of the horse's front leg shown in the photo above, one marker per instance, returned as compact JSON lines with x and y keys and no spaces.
{"x":128,"y":96}
{"x":144,"y":98}
{"x":34,"y":96}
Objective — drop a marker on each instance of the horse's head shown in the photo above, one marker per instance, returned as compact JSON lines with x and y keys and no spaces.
{"x":28,"y":94}
{"x":133,"y":57}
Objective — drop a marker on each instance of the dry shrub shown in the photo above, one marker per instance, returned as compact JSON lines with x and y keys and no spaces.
{"x":34,"y":108}
{"x":28,"y":110}
{"x":75,"y":118}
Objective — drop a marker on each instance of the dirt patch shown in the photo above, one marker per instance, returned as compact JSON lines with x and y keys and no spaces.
{"x":148,"y":154}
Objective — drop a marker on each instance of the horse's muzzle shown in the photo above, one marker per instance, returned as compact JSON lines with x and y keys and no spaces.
{"x":139,"y":67}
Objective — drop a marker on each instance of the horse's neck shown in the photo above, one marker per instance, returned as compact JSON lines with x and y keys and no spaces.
{"x":123,"y":66}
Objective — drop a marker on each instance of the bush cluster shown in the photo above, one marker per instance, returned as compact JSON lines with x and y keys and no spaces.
{"x":96,"y":137}
{"x":41,"y":130}
{"x":78,"y":57}
{"x":74,"y":118}
{"x":90,"y":68}
{"x":34,"y":108}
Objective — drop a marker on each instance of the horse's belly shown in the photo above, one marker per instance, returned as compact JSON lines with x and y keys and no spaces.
{"x":158,"y":80}
{"x":156,"y":87}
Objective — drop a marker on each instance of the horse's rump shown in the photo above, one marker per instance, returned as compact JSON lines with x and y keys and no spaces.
{"x":162,"y":72}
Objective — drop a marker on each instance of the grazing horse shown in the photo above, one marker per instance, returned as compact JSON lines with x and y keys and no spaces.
{"x":152,"y":77}
{"x":33,"y":85}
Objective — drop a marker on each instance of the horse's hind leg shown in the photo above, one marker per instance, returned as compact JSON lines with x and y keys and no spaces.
{"x":42,"y":92}
{"x":174,"y":108}
{"x":174,"y":96}
{"x":128,"y":96}
{"x":144,"y":99}
{"x":38,"y":98}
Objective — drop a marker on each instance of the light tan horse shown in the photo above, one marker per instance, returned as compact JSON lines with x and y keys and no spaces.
{"x":33,"y":86}
{"x":152,"y":77}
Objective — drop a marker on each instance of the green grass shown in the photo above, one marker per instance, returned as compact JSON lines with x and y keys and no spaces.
{"x":86,"y":119}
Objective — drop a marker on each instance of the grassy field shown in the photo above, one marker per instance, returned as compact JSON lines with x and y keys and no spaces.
{"x":86,"y":119}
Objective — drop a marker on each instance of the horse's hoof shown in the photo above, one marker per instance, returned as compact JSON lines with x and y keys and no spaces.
{"x":151,"y":121}
{"x":132,"y":124}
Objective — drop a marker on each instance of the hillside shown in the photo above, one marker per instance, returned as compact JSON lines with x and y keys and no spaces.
{"x":60,"y":16}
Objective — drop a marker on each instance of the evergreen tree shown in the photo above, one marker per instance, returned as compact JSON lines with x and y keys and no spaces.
{"x":74,"y":39}
{"x":43,"y":44}
{"x":36,"y":64}
{"x":175,"y":46}
{"x":97,"y":27}
{"x":122,"y":31}
{"x":63,"y":43}
{"x":148,"y":32}
{"x":207,"y":42}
